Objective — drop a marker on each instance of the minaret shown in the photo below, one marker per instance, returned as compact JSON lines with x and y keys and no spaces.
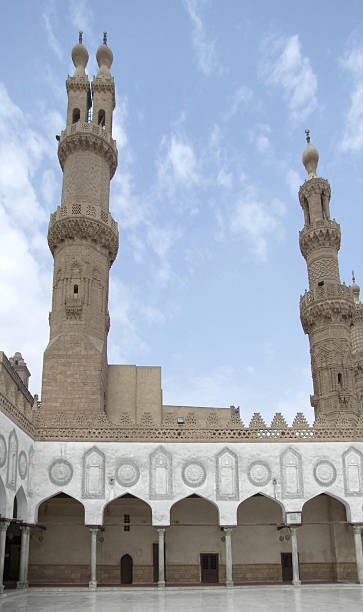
{"x":327,"y":309}
{"x":83,"y":239}
{"x":357,"y":342}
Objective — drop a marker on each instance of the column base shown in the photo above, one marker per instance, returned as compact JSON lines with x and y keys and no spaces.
{"x":296,"y":582}
{"x":22,"y":585}
{"x":229,"y":584}
{"x":92,"y":586}
{"x":2,"y":588}
{"x":161,"y":583}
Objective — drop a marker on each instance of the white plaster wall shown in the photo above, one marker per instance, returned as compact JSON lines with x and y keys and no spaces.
{"x":22,"y":485}
{"x":181,"y":454}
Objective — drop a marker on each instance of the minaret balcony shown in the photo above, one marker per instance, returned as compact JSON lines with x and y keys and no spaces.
{"x":331,"y":302}
{"x":87,"y":136}
{"x":323,"y":233}
{"x":83,"y":221}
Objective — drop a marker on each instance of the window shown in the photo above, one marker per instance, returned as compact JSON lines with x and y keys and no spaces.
{"x":101,"y":117}
{"x":76,"y":115}
{"x":75,"y":290}
{"x":340,"y":379}
{"x":126,"y":522}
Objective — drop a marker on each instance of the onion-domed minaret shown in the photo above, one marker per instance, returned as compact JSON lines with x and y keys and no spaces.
{"x":83,"y":239}
{"x":327,"y":309}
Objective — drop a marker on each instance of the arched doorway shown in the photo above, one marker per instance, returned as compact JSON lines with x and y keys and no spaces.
{"x":325,"y":541}
{"x":195,"y":549}
{"x":257,"y":542}
{"x":12,"y":550}
{"x":60,"y":553}
{"x":125,"y":553}
{"x":126,"y":564}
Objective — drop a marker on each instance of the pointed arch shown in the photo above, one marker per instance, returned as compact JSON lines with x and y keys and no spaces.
{"x":21,"y":504}
{"x":2,"y":498}
{"x":60,"y":492}
{"x":126,"y":496}
{"x":93,"y":478}
{"x":227,"y":486}
{"x":194,"y":496}
{"x":259,"y":497}
{"x":332,"y":495}
{"x":161,"y":483}
{"x":291,"y":474}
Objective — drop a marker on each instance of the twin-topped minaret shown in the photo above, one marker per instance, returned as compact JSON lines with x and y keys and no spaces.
{"x":83,"y":238}
{"x":328,"y":309}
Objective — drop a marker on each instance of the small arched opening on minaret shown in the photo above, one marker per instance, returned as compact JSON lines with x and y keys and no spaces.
{"x":101,"y":117}
{"x":76,"y":115}
{"x":340,"y":379}
{"x":75,"y":290}
{"x":322,"y":208}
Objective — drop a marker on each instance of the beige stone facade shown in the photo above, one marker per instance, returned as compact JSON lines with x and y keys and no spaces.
{"x":100,"y":482}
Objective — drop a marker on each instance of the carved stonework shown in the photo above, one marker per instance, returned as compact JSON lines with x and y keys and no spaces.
{"x":85,"y":138}
{"x":300,"y":421}
{"x":127,"y":473}
{"x":12,"y":461}
{"x":325,"y":473}
{"x":257,"y":421}
{"x":353,"y":472}
{"x":93,"y":484}
{"x":60,"y":472}
{"x":22,"y":465}
{"x":194,"y":474}
{"x":160,"y":474}
{"x":259,"y":473}
{"x":278,"y":422}
{"x":2,"y":451}
{"x":291,"y":474}
{"x":227,"y":475}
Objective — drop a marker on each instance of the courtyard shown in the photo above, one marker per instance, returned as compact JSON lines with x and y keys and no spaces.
{"x":332,"y":598}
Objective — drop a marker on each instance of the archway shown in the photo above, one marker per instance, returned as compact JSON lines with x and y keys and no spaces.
{"x":2,"y":499}
{"x":125,"y":553}
{"x":12,"y":550}
{"x":60,"y":552}
{"x":325,"y":541}
{"x":257,"y":542}
{"x":194,"y":542}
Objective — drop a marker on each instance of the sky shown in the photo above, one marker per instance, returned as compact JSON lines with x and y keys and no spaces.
{"x":212,"y":102}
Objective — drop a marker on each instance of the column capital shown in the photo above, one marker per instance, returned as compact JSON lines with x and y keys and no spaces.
{"x":4,"y":525}
{"x":94,"y":529}
{"x":160,"y":529}
{"x":357,"y":528}
{"x":25,"y":528}
{"x":227,"y":530}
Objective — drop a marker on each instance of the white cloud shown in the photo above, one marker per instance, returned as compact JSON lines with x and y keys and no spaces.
{"x":242,"y":96}
{"x":353,"y":131}
{"x":253,"y":218}
{"x":52,"y":39}
{"x":178,"y":165}
{"x":204,"y":48}
{"x":81,"y":15}
{"x":224,"y":178}
{"x":286,"y":68}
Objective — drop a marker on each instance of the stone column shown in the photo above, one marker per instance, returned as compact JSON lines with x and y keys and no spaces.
{"x":295,"y":557}
{"x":357,"y":531}
{"x":229,"y":565}
{"x":3,"y":528}
{"x":24,"y":552}
{"x":161,"y":534}
{"x":93,"y":580}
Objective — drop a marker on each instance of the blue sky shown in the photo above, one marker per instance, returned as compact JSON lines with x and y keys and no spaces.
{"x":212,"y":102}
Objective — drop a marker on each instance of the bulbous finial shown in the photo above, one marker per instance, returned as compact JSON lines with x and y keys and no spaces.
{"x":310,"y":157}
{"x":104,"y":57}
{"x":355,"y":289}
{"x":80,"y":57}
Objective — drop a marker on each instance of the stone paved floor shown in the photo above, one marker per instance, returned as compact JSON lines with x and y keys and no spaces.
{"x":322,"y":598}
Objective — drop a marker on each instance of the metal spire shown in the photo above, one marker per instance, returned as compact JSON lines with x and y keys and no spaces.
{"x":307,"y":132}
{"x":105,"y":38}
{"x":80,"y":38}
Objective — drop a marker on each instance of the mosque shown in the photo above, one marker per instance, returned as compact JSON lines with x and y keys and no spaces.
{"x":103,"y":484}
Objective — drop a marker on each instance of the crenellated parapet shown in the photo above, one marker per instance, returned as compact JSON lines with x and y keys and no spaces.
{"x":323,"y":234}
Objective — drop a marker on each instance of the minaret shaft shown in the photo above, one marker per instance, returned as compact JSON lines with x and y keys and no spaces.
{"x":326,"y":310}
{"x":83,"y":238}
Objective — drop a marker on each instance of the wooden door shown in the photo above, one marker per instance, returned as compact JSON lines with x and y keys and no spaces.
{"x":209,"y":567}
{"x":286,"y":567}
{"x":155,"y":562}
{"x":126,"y":569}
